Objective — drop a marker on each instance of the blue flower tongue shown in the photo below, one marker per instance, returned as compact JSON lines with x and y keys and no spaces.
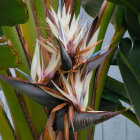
{"x":66,"y":62}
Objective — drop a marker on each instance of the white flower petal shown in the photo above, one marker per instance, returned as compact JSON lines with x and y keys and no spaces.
{"x":48,"y":48}
{"x":78,"y":87}
{"x":36,"y":66}
{"x":86,"y":83}
{"x":52,"y":64}
{"x":65,"y":94}
{"x":67,"y":85}
{"x":93,"y":40}
{"x":53,"y":28}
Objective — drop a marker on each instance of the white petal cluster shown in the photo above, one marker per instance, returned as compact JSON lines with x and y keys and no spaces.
{"x":70,"y":31}
{"x":73,"y":36}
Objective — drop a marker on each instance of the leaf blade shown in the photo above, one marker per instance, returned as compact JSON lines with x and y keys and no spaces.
{"x":6,"y":130}
{"x":13,"y":12}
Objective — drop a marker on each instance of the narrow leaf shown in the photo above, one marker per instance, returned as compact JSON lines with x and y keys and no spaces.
{"x":130,"y":73}
{"x":132,"y":86}
{"x":116,"y":88}
{"x":6,"y":130}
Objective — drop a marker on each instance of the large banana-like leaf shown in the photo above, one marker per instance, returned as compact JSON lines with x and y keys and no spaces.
{"x":129,"y":67}
{"x":133,"y":5}
{"x":92,"y":6}
{"x":115,"y":88}
{"x":6,"y":131}
{"x":132,"y":10}
{"x":132,"y":23}
{"x":12,"y":12}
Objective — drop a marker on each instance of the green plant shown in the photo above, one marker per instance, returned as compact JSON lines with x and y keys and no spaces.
{"x":60,"y":65}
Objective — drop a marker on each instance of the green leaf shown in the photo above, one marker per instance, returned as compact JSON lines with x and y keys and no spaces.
{"x":92,"y":6}
{"x":41,"y":16}
{"x":1,"y":31}
{"x":125,"y":46}
{"x":139,"y":18}
{"x":113,"y":106}
{"x":6,"y":130}
{"x":132,"y":23}
{"x":108,"y":105}
{"x":12,"y":12}
{"x":129,"y":114}
{"x":53,"y":3}
{"x":12,"y":35}
{"x":130,"y":73}
{"x":120,"y":17}
{"x":133,"y":5}
{"x":134,"y":58}
{"x":77,"y":7}
{"x":115,"y":89}
{"x":8,"y":57}
{"x":29,"y":30}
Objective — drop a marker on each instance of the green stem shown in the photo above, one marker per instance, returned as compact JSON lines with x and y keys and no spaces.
{"x":39,"y":8}
{"x":29,"y":31}
{"x":103,"y":24}
{"x":6,"y":131}
{"x":104,"y":68}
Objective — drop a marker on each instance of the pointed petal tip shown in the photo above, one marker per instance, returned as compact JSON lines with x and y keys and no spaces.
{"x":32,"y":91}
{"x":66,"y":62}
{"x":88,"y":119}
{"x":83,"y":120}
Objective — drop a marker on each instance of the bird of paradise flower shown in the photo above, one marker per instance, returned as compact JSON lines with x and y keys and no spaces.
{"x":61,"y":71}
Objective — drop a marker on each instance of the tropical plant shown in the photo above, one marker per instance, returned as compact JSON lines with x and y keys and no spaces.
{"x":60,"y":85}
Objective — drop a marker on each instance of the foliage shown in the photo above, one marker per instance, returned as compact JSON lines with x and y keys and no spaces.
{"x":61,"y":71}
